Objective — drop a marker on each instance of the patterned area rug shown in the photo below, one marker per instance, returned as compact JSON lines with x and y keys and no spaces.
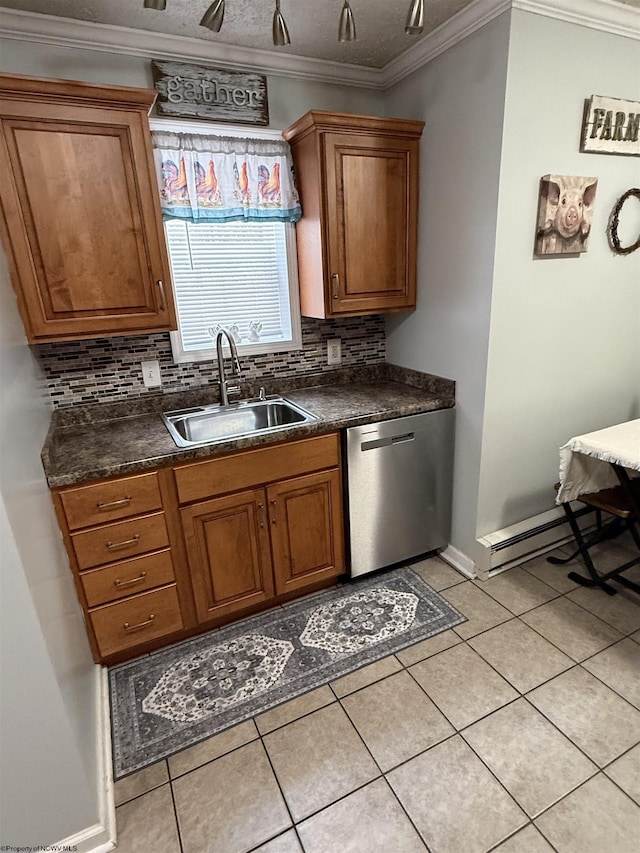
{"x":181,"y":695}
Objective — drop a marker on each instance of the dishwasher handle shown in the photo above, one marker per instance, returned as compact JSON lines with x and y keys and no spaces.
{"x":388,"y":441}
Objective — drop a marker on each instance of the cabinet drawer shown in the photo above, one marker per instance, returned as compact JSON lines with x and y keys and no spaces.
{"x":104,"y":502}
{"x":127,"y":577}
{"x":137,"y":620}
{"x":124,"y":539}
{"x":202,"y":480}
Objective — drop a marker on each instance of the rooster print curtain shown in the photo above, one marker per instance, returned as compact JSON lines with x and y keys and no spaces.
{"x":225,"y":179}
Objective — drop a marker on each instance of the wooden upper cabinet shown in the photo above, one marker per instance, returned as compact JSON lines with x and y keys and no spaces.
{"x":357,"y":239}
{"x":82,"y":221}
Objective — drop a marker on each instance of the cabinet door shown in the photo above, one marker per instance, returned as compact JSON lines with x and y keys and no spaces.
{"x":228,"y":548}
{"x":306,"y":530}
{"x":82,"y":219}
{"x":371,"y":209}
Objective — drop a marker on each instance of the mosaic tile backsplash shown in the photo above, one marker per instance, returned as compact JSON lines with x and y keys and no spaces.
{"x":108,"y":369}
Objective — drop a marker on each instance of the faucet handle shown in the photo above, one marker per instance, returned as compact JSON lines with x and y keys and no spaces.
{"x":233,"y":389}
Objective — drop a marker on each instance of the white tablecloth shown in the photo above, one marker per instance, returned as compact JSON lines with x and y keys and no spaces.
{"x":584,"y":460}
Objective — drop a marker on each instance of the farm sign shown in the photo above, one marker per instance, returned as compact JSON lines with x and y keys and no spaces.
{"x":611,"y":126}
{"x":192,"y":91}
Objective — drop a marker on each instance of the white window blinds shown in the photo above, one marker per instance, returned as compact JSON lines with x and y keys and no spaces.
{"x":234,"y":275}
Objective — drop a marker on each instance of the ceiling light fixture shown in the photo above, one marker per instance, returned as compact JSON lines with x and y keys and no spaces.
{"x":280,"y":31}
{"x":415,"y":18}
{"x":347,"y":28}
{"x":214,"y":16}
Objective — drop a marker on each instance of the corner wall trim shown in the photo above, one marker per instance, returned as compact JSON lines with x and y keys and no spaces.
{"x":86,"y":35}
{"x":457,"y":28}
{"x":459,"y":561}
{"x":604,"y":15}
{"x":101,"y":837}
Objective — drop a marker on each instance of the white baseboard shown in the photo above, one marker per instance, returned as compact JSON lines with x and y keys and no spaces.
{"x":101,"y":837}
{"x":459,"y":561}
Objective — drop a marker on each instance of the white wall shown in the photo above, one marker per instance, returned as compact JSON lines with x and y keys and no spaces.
{"x":288,"y":98}
{"x":48,"y":753}
{"x":460,"y":96}
{"x":564,"y":351}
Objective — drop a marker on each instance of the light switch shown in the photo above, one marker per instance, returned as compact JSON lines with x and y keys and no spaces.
{"x":151,"y":373}
{"x":334,"y":351}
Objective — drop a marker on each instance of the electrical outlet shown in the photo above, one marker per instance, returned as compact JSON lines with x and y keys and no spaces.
{"x":334,"y":351}
{"x":151,"y":374}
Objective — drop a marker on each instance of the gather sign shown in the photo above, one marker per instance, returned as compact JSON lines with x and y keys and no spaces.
{"x":216,"y":94}
{"x":611,"y":126}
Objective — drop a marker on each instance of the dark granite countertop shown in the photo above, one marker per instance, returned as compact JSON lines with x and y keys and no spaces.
{"x":87,"y":443}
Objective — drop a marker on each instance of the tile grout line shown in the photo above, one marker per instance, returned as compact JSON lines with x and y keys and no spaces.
{"x":175,"y":816}
{"x":405,"y":667}
{"x":524,"y":695}
{"x":562,"y":595}
{"x":382,"y":772}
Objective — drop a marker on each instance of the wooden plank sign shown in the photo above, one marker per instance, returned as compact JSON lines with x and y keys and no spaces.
{"x":215,"y":94}
{"x":611,"y":126}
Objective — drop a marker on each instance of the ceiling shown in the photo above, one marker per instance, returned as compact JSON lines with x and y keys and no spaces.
{"x":312,"y":24}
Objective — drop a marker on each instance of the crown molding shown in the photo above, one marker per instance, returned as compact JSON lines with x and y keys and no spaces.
{"x":457,"y":28}
{"x":604,"y":15}
{"x":86,"y":35}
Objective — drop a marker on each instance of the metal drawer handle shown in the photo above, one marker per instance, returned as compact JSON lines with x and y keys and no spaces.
{"x":160,"y":284}
{"x":336,"y":285}
{"x":121,"y":584}
{"x":140,"y":625}
{"x":274,"y":516}
{"x":262,"y":508}
{"x":112,"y":504}
{"x":133,"y":541}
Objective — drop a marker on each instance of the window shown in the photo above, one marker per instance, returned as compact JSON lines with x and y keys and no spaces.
{"x":241,"y":276}
{"x":229,"y":204}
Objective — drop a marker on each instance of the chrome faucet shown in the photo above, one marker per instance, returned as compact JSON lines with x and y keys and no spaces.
{"x":235,"y":366}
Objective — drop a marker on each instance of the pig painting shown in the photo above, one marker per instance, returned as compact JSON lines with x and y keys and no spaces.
{"x":565,"y":211}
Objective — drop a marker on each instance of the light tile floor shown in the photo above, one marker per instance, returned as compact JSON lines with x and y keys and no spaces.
{"x":518,"y":731}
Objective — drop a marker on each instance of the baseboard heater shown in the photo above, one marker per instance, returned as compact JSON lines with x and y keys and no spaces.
{"x":527,"y":539}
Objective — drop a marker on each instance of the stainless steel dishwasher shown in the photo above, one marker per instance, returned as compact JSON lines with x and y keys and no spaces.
{"x":399,"y":479}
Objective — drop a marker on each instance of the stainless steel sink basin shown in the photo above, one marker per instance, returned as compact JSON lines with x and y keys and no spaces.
{"x":207,"y":424}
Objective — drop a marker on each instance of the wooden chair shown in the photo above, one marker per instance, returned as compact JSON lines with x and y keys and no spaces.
{"x":621,"y":503}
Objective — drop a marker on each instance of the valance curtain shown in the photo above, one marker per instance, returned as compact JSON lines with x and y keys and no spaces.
{"x":225,"y":179}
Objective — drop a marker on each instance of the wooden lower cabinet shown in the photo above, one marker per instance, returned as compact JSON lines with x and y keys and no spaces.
{"x":159,"y":556}
{"x":280,"y":533}
{"x":136,"y":620}
{"x":306,"y":530}
{"x":229,"y":556}
{"x":245,"y":548}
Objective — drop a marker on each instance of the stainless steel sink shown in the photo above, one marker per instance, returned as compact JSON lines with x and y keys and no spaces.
{"x":208,"y":424}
